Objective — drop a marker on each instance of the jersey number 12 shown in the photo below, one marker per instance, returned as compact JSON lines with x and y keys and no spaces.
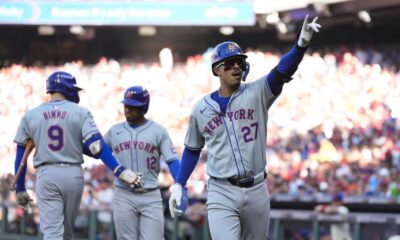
{"x":151,"y":163}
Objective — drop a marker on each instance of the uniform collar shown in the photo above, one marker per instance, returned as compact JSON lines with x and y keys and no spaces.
{"x":215,"y":106}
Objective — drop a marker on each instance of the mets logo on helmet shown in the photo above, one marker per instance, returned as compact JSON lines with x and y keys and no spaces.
{"x":231,"y":47}
{"x":130,"y":94}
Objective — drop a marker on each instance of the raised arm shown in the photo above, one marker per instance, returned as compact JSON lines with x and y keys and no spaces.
{"x":289,"y":62}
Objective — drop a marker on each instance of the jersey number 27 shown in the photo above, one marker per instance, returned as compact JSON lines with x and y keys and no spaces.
{"x":250,"y":132}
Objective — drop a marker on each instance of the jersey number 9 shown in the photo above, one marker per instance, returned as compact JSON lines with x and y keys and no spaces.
{"x":56,"y":137}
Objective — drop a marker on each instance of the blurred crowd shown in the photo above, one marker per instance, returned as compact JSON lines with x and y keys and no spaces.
{"x":335,"y":128}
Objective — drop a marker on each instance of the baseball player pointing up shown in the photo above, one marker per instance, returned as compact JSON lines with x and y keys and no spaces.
{"x":232,"y":123}
{"x":62,"y":131}
{"x":138,"y":143}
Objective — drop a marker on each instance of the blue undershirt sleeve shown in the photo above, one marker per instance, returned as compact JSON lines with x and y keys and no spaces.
{"x":275,"y":86}
{"x":188,"y":163}
{"x":18,"y":158}
{"x":107,"y":157}
{"x":286,"y":67}
{"x":291,"y":60}
{"x":174,"y":168}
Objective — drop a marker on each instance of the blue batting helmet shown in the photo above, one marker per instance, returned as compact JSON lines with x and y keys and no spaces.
{"x":224,"y":51}
{"x":64,"y":83}
{"x":137,"y":96}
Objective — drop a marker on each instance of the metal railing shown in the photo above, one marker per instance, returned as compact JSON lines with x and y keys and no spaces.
{"x":363,"y":226}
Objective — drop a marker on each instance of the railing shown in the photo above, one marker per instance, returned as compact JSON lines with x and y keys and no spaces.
{"x":20,"y":232}
{"x":363,"y":225}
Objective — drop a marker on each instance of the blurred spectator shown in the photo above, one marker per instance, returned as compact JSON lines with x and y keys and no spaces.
{"x":338,"y":231}
{"x":344,"y":136}
{"x":196,"y":213}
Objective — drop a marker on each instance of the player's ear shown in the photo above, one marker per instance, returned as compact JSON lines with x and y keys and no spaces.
{"x":216,"y":71}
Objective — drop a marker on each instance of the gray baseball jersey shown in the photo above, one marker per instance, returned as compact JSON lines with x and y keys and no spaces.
{"x":140,"y":149}
{"x":57,"y":129}
{"x":236,"y":140}
{"x":236,"y":148}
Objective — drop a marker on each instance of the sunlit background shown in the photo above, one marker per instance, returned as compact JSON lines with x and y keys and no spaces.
{"x":334,"y":130}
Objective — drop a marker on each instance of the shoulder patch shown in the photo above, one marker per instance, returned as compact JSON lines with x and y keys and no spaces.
{"x":173,"y":150}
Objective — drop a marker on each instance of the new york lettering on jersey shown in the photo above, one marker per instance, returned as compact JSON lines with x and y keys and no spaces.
{"x":134,"y":144}
{"x":217,"y":120}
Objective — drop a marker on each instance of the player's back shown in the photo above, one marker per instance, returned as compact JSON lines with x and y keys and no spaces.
{"x":57,"y":128}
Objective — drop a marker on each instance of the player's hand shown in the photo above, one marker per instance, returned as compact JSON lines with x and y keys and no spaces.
{"x":138,"y":183}
{"x":181,"y":208}
{"x":23,"y":199}
{"x":131,"y":177}
{"x":307,"y":31}
{"x":175,"y":199}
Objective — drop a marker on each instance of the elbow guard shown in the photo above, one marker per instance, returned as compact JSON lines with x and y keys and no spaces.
{"x":282,"y":77}
{"x":93,"y":146}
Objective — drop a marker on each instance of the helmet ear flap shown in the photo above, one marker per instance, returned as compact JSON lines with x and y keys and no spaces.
{"x":246,"y":71}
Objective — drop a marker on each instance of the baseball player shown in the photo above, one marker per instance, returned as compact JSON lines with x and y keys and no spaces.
{"x":61,"y":131}
{"x":138,"y":144}
{"x":232,"y":123}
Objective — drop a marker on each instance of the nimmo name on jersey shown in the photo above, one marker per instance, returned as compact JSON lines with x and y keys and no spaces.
{"x":54,"y":114}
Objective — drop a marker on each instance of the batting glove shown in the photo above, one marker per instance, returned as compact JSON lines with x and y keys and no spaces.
{"x":181,"y":208}
{"x":307,"y":31}
{"x":23,"y":199}
{"x":132,"y":178}
{"x":138,"y":182}
{"x":175,"y":200}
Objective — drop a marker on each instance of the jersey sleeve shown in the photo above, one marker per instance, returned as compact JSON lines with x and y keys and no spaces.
{"x":264,"y":92}
{"x":167,"y":148}
{"x":194,"y":140}
{"x":89,"y":126}
{"x":107,"y":138}
{"x":22,"y":136}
